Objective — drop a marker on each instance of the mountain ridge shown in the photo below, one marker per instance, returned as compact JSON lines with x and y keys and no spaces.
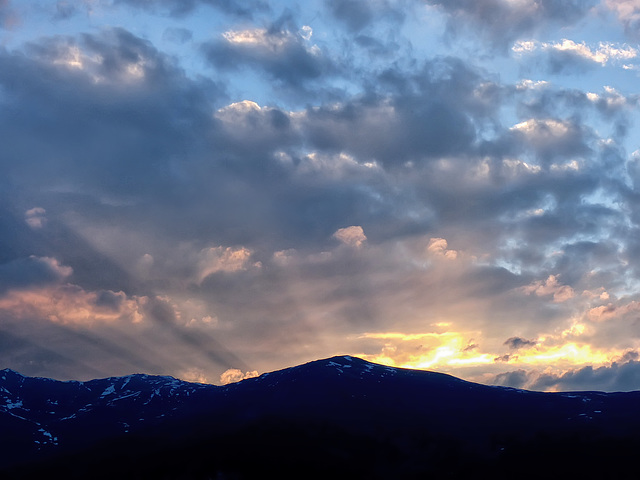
{"x":360,"y":417}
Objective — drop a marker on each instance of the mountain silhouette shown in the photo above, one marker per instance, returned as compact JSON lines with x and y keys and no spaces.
{"x":340,"y":417}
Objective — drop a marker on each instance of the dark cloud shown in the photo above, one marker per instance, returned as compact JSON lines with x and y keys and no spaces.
{"x":65,"y":10}
{"x":31,"y":272}
{"x":629,"y":356}
{"x":504,"y":358}
{"x":110,"y":300}
{"x":435,"y":113}
{"x":547,"y":102}
{"x":358,"y":14}
{"x":551,"y":139}
{"x":569,"y":62}
{"x":180,"y":8}
{"x":470,"y":347}
{"x":131,"y":110}
{"x":502,"y":21}
{"x":157,"y":141}
{"x":514,"y":343}
{"x":376,"y":47}
{"x":623,"y":375}
{"x":277,"y":51}
{"x":515,"y":379}
{"x":617,"y":377}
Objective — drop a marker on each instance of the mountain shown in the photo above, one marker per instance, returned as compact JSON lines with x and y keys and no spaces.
{"x":341,"y":417}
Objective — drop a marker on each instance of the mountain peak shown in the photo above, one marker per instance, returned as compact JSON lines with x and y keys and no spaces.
{"x":342,"y":408}
{"x":8,"y":373}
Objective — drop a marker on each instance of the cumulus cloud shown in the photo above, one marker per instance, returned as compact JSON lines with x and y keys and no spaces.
{"x":551,"y":138}
{"x":222,"y":259}
{"x":195,"y":375}
{"x":430,"y":118}
{"x":286,"y":56}
{"x":550,"y":286}
{"x":233,"y":375}
{"x":353,"y":236}
{"x":570,"y":56}
{"x":610,"y":311}
{"x":72,"y":305}
{"x":438,"y":247}
{"x":35,"y":217}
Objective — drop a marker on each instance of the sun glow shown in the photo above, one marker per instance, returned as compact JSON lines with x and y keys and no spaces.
{"x":451,"y":350}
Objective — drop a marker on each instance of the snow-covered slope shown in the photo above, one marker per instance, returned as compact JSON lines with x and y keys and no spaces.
{"x":40,"y":416}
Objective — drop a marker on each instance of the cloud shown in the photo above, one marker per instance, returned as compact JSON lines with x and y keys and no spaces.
{"x":551,"y":138}
{"x":358,"y":14}
{"x":222,"y":259}
{"x":435,"y":114}
{"x":515,"y":379}
{"x":489,"y":207}
{"x":628,"y":12}
{"x":569,"y":56}
{"x":540,"y":100}
{"x":71,"y":333}
{"x":32,"y":271}
{"x":112,"y":95}
{"x":286,"y":56}
{"x":503,"y":21}
{"x":353,"y":236}
{"x":181,"y":8}
{"x":233,"y":375}
{"x":610,"y":101}
{"x":611,"y":311}
{"x":438,"y":247}
{"x":65,"y":10}
{"x":551,"y":286}
{"x":35,"y":217}
{"x":429,"y":350}
{"x":470,"y":347}
{"x":72,"y":305}
{"x":609,"y":378}
{"x":195,"y":375}
{"x":505,"y":358}
{"x":515,"y":343}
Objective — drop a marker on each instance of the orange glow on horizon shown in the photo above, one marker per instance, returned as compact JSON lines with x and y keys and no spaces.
{"x":451,"y":350}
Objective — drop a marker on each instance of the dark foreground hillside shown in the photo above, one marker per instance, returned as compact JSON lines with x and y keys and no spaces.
{"x":335,"y":418}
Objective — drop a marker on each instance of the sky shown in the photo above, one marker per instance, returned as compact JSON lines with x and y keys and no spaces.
{"x":211,"y":189}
